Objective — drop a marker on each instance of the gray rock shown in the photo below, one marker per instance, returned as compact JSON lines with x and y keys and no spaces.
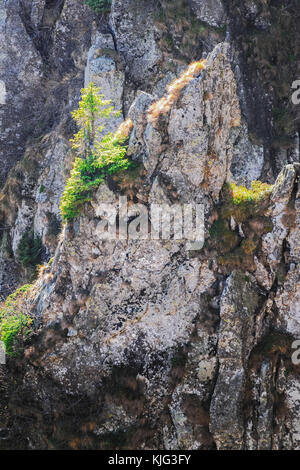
{"x":132,"y":24}
{"x":211,"y":12}
{"x":239,"y":303}
{"x":248,"y":159}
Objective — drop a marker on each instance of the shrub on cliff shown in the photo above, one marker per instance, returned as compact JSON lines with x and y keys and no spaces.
{"x":240,"y":206}
{"x":87,"y":174}
{"x":14,"y":324}
{"x":97,"y":156}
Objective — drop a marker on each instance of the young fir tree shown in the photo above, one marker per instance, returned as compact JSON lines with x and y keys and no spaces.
{"x":92,"y":107}
{"x":98,"y":155}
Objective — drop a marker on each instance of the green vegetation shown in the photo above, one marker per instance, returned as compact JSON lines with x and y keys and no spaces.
{"x":257,"y":192}
{"x":87,"y":174}
{"x":97,"y":156}
{"x":30,"y":249}
{"x":246,"y":207}
{"x":102,"y":6}
{"x":92,"y":107}
{"x":14,"y":324}
{"x":242,"y":203}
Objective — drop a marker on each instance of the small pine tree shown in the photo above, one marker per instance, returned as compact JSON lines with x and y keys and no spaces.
{"x":98,"y":156}
{"x":92,"y":107}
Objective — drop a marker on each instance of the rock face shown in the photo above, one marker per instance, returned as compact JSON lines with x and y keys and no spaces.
{"x":210,"y":12}
{"x":136,"y":44}
{"x":17,"y":91}
{"x":145,"y":343}
{"x":238,"y":305}
{"x":245,"y":170}
{"x":37,"y":69}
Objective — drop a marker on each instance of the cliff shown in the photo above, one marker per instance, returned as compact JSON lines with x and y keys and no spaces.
{"x":148,"y":343}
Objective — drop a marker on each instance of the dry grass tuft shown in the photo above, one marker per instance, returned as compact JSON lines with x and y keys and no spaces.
{"x":124,"y":129}
{"x":174,"y":89}
{"x":235,"y":122}
{"x":42,"y":269}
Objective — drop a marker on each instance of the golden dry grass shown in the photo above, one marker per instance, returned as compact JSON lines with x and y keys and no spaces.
{"x":174,"y":89}
{"x":124,"y":129}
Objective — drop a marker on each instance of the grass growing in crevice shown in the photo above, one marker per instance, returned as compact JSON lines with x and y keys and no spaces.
{"x":163,"y":106}
{"x":240,"y":207}
{"x":242,"y":203}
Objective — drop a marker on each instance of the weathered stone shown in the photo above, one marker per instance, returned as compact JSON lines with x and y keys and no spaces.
{"x":132,"y":24}
{"x":105,"y":71}
{"x":239,"y":303}
{"x":211,"y":12}
{"x":248,"y":159}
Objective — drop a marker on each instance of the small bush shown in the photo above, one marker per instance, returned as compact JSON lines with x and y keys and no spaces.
{"x":14,"y":324}
{"x":99,"y":5}
{"x":30,"y":249}
{"x":257,"y":192}
{"x":87,"y":174}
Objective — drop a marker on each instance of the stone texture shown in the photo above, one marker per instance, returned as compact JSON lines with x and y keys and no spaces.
{"x":211,"y":12}
{"x":239,"y":303}
{"x":132,"y":24}
{"x":248,"y":159}
{"x":149,"y":344}
{"x":105,"y":69}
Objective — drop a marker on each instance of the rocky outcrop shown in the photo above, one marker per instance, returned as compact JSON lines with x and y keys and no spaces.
{"x":139,"y":46}
{"x":137,"y":301}
{"x":177,"y":345}
{"x":146,"y":343}
{"x":239,"y":304}
{"x":17,"y":91}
